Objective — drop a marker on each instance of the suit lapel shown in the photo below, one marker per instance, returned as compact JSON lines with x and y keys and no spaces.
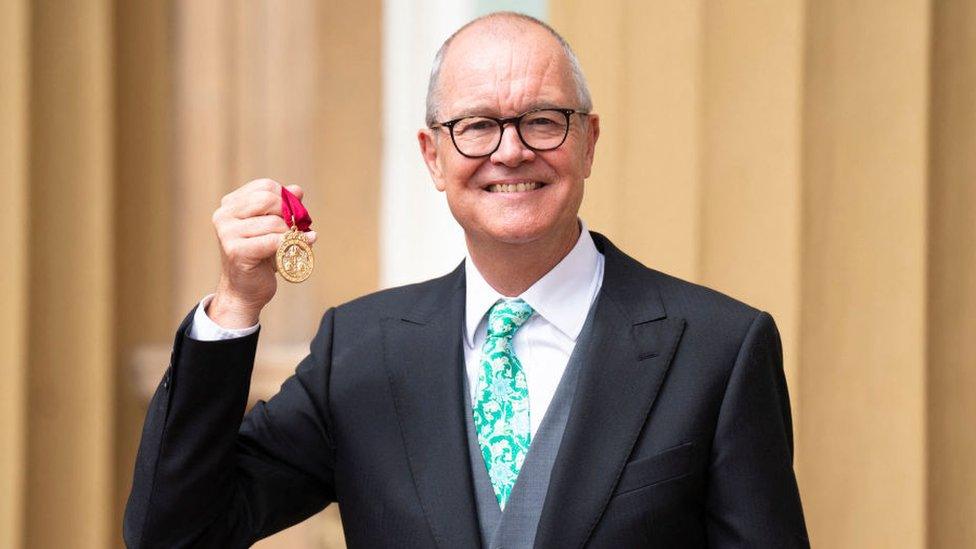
{"x":623,"y":367}
{"x":423,"y":357}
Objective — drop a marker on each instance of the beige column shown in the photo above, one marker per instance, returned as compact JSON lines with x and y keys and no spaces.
{"x":642,"y":61}
{"x":143,"y":213}
{"x":689,"y":91}
{"x":952,"y":279}
{"x":862,"y":446}
{"x":203,"y":129}
{"x":72,"y":278}
{"x":781,"y":148}
{"x":14,"y":89}
{"x":598,"y":36}
{"x":659,"y":178}
{"x":752,"y":76}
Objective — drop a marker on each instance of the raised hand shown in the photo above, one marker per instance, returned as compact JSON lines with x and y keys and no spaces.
{"x":249,"y":229}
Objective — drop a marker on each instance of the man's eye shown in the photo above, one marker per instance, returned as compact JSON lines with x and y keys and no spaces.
{"x":479,"y":125}
{"x":542,"y":121}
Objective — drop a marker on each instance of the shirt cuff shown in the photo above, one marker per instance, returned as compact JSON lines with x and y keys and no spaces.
{"x":204,"y":328}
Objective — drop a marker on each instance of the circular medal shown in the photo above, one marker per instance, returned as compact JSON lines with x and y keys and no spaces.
{"x":294,"y":259}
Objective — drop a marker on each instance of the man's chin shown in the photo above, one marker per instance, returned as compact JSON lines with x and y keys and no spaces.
{"x":515,"y":234}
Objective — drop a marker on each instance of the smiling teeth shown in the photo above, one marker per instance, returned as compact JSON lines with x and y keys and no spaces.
{"x":514,"y":188}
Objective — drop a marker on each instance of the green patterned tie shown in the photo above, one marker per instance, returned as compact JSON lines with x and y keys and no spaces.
{"x":501,"y":411}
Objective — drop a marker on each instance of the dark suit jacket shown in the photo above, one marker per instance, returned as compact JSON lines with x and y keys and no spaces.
{"x":679,"y":434}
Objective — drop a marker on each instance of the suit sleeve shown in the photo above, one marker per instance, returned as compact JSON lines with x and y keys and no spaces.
{"x":753,"y":500}
{"x":206,"y":478}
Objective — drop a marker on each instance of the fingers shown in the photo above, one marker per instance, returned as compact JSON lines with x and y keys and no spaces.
{"x":265,"y":184}
{"x":249,"y":230}
{"x":296,"y":190}
{"x":248,"y":222}
{"x":258,"y":197}
{"x":269,"y":185}
{"x":244,"y":205}
{"x":260,"y":225}
{"x":254,"y":236}
{"x":264,"y":246}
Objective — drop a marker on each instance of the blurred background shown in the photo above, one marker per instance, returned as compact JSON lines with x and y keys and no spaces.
{"x":816,"y":158}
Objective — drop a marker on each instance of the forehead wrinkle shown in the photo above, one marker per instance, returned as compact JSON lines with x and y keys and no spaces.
{"x":532,"y":70}
{"x":523,"y":84}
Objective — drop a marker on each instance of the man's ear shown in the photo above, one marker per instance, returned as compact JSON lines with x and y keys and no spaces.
{"x":592,"y":134}
{"x":428,"y":148}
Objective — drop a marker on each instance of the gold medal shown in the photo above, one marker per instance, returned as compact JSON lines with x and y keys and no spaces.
{"x":294,"y":260}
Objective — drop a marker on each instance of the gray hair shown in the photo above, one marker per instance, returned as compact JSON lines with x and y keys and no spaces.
{"x":433,"y":91}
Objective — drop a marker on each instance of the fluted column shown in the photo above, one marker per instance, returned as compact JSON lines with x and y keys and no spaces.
{"x":752,"y":76}
{"x":72,"y":276}
{"x":862,"y":445}
{"x":143,"y":212}
{"x":952,"y":278}
{"x":642,"y":62}
{"x":778,"y":151}
{"x":688,"y":91}
{"x":14,"y":185}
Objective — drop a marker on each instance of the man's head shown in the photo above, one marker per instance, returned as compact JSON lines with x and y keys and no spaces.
{"x":501,"y":66}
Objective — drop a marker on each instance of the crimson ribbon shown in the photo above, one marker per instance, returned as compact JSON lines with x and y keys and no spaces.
{"x":293,"y":212}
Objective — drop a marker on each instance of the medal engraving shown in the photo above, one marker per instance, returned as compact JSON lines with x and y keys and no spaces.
{"x":294,"y":260}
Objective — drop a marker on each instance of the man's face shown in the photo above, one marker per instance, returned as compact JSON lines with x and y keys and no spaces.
{"x":483,"y":74}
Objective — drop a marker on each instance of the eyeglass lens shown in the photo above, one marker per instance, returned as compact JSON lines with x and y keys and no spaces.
{"x":540,"y":130}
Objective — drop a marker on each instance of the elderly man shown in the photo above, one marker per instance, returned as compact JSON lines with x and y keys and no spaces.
{"x":549,"y":392}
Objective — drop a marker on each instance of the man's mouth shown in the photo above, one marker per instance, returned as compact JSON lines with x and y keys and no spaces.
{"x":514,"y":187}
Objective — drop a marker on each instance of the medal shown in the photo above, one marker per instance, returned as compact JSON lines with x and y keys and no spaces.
{"x":294,"y":260}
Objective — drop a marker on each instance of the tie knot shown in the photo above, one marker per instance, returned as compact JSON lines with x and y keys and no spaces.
{"x":505,"y":317}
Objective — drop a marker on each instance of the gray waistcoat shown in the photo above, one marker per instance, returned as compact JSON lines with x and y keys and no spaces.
{"x":516,"y":526}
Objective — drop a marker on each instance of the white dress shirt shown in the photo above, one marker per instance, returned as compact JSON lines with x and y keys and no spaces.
{"x":561,"y":300}
{"x":202,"y":328}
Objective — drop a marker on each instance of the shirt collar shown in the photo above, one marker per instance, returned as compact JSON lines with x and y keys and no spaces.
{"x":562,"y":296}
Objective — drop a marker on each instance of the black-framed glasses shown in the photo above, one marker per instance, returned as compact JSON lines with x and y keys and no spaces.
{"x":539,"y":130}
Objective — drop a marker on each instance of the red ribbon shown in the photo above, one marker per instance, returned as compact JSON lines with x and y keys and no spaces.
{"x":293,"y":212}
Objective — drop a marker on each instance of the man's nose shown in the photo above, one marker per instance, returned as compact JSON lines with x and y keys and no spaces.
{"x":511,"y":151}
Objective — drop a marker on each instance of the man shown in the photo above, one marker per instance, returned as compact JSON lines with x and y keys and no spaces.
{"x":549,"y":392}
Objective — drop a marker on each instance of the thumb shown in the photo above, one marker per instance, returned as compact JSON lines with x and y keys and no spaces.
{"x":296,"y":190}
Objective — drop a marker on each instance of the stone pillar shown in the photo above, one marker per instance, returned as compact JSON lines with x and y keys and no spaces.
{"x":72,"y":276}
{"x":952,"y":278}
{"x":14,"y":182}
{"x":862,"y":445}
